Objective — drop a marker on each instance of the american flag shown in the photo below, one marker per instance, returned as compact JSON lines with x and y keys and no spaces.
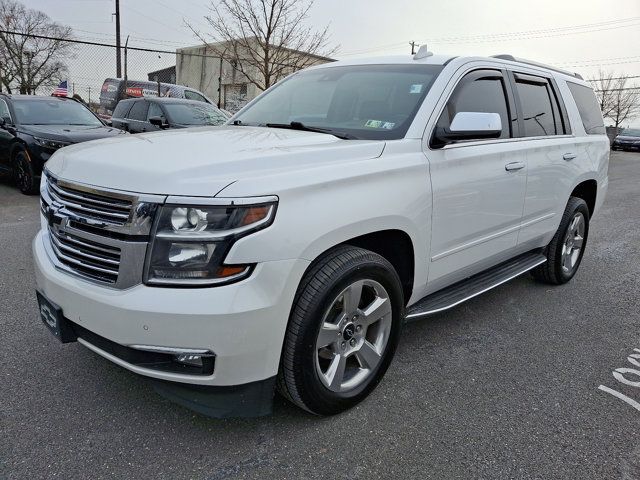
{"x":61,"y":91}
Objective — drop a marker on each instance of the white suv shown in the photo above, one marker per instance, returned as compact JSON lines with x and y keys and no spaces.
{"x":287,"y":248}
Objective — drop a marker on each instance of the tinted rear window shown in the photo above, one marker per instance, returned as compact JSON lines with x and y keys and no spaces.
{"x":539,"y":107}
{"x":122,"y":109}
{"x":588,"y":108}
{"x":139,"y":110}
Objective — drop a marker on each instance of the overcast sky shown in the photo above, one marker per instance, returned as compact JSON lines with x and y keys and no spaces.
{"x":580,"y":35}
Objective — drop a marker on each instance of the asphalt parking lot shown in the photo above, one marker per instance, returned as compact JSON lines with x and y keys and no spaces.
{"x":504,"y":386}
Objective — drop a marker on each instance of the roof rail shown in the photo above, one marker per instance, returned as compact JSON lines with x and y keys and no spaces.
{"x":511,"y":58}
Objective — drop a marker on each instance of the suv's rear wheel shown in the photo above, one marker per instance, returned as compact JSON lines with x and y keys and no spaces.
{"x":343,"y":331}
{"x":23,"y":173}
{"x":565,"y":251}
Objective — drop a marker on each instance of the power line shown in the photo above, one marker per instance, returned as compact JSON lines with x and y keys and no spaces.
{"x":550,"y":32}
{"x":524,"y":35}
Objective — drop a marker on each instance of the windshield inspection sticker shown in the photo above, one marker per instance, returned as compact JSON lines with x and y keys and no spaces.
{"x":379,"y":124}
{"x":374,"y":123}
{"x":417,"y":88}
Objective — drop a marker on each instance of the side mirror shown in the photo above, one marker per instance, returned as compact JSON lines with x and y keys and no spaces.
{"x":3,"y":122}
{"x":470,"y":126}
{"x":158,"y":122}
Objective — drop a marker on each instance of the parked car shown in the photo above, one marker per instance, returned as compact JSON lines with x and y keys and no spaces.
{"x":286,"y":248}
{"x":628,"y":139}
{"x":116,"y":89}
{"x":148,"y":114}
{"x":33,"y":127}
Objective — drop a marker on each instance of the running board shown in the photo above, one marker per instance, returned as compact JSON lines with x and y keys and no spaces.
{"x":473,"y":286}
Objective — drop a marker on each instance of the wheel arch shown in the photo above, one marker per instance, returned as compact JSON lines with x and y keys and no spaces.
{"x":397,"y":248}
{"x":588,"y":191}
{"x":394,"y":244}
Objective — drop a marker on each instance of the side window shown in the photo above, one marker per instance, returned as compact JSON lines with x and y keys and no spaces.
{"x":139,"y":111}
{"x":4,"y":110}
{"x":588,"y":107}
{"x":121,"y":110}
{"x":188,"y":94}
{"x":538,"y":106}
{"x":155,"y":111}
{"x":480,"y":91}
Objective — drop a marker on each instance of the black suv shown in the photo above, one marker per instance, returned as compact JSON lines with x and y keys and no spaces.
{"x":137,"y":115}
{"x":33,"y":127}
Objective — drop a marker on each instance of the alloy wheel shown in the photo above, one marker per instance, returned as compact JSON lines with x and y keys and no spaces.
{"x":573,"y":242}
{"x":23,"y":178}
{"x":353,"y":335}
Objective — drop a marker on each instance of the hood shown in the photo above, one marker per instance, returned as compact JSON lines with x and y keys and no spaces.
{"x":70,"y":133}
{"x":628,"y":138}
{"x":202,"y":161}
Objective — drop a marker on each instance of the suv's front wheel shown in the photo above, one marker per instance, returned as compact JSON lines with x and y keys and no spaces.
{"x":343,"y":331}
{"x":23,"y":173}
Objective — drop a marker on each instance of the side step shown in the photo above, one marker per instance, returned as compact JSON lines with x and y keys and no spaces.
{"x":473,"y":286}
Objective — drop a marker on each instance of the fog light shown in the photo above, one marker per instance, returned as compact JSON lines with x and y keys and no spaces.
{"x":189,"y":359}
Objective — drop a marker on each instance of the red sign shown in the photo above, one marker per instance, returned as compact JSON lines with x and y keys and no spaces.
{"x":134,"y":91}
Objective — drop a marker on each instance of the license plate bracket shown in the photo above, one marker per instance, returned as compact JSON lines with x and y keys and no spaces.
{"x":52,"y":317}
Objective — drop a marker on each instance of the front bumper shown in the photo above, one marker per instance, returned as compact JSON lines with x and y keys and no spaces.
{"x":242,"y":323}
{"x":626,"y":146}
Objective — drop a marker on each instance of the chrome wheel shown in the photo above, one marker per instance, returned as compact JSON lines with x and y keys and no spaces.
{"x":353,"y":335}
{"x":573,"y":242}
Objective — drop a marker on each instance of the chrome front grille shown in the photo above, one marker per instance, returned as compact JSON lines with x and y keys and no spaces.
{"x":94,"y":260}
{"x":98,"y":234}
{"x":109,"y":209}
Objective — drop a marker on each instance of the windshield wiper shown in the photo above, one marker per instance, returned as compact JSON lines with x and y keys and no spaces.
{"x":305,"y":128}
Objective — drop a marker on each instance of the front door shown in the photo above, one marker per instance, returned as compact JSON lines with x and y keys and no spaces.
{"x":478,"y":185}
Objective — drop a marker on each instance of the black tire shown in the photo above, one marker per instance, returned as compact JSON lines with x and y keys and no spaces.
{"x":552,"y":271}
{"x":23,"y":173}
{"x":298,"y":379}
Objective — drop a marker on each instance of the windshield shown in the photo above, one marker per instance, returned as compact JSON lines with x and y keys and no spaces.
{"x":53,"y":112}
{"x":631,"y":132}
{"x":363,"y":101}
{"x":194,"y":114}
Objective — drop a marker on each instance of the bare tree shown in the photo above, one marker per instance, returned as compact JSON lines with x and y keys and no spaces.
{"x":618,"y":100}
{"x":265,"y":40}
{"x":27,"y":62}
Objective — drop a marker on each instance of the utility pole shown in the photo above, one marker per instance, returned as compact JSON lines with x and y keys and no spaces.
{"x":89,"y":103}
{"x":126,"y":45}
{"x":413,"y":47}
{"x":118,"y":62}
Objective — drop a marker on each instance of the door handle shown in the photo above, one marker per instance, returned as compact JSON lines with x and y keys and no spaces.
{"x":514,"y":166}
{"x":569,"y":156}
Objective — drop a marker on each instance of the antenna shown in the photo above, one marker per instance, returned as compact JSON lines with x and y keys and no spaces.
{"x":423,"y":52}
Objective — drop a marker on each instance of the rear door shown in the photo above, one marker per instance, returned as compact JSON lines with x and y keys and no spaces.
{"x":478,"y":185}
{"x":551,"y":154}
{"x":137,"y":117}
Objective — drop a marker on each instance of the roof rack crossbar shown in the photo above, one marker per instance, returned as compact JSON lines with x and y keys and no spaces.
{"x":511,"y":58}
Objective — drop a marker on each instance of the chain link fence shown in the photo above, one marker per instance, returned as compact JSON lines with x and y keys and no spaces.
{"x":90,"y":71}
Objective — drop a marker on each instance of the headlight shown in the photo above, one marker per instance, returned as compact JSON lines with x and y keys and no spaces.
{"x":190,"y":242}
{"x":50,"y":143}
